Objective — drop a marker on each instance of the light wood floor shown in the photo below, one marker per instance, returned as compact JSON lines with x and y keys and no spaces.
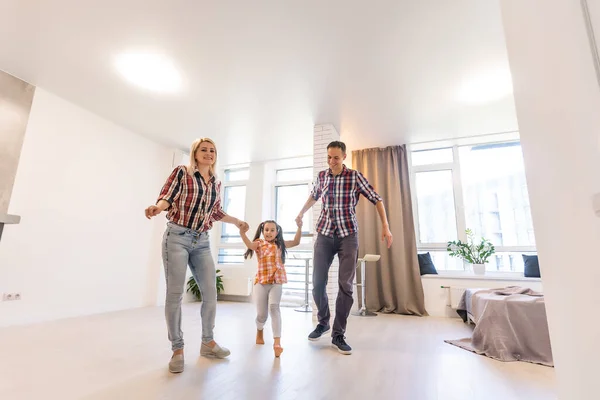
{"x":124,"y":355}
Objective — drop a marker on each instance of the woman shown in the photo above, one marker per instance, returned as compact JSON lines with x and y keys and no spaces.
{"x":191,"y":196}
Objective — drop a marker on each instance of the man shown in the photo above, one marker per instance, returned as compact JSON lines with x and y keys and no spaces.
{"x":339,"y":188}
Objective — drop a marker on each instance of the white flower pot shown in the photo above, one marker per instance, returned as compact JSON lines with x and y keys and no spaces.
{"x":479,"y":269}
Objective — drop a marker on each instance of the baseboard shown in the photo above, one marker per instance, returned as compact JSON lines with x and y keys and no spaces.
{"x":234,"y":298}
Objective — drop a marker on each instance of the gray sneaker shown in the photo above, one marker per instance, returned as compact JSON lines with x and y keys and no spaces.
{"x":214,"y":352}
{"x":176,"y":364}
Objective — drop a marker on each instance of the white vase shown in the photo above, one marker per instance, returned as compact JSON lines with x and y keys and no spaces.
{"x":479,"y":269}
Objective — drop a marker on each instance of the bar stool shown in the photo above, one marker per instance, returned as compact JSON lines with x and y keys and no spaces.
{"x":362,"y":311}
{"x":306,"y":306}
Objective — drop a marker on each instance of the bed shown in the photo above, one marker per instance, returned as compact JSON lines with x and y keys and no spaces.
{"x":510,"y":324}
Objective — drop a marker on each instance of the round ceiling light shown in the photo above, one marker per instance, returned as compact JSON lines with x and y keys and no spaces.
{"x":150,"y":71}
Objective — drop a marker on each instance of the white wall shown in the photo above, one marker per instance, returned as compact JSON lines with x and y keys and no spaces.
{"x":436,"y":297}
{"x":558,"y":108}
{"x":83,"y":245}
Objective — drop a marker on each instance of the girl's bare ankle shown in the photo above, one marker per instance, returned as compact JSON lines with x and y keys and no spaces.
{"x":259,"y":337}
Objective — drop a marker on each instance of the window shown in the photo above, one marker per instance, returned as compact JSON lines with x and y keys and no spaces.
{"x":231,"y":247}
{"x":443,"y":262}
{"x":435,"y":156}
{"x":495,"y":193}
{"x":291,"y":191}
{"x":435,"y":201}
{"x":289,"y":200}
{"x":234,"y":203}
{"x":481,"y":187}
{"x":295,"y":267}
{"x":236,"y":175}
{"x":295,"y":174}
{"x":231,"y":256}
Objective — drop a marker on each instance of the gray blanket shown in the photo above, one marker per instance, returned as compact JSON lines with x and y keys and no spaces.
{"x":510,"y":325}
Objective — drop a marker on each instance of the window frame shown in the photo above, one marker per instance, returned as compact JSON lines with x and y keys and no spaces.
{"x":308,"y":182}
{"x":224,"y":185}
{"x":295,"y":278}
{"x":459,"y":204}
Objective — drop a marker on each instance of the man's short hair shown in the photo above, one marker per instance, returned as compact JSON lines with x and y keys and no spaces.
{"x":337,"y":145}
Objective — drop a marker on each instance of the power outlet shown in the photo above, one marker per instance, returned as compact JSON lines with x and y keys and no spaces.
{"x":11,"y":296}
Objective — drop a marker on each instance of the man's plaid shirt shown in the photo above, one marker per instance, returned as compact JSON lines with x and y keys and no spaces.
{"x":339,"y":195}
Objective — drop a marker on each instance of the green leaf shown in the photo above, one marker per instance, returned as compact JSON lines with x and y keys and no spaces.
{"x":469,"y":250}
{"x":192,"y":286}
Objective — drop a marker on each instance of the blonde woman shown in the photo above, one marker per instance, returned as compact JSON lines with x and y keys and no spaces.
{"x":191,"y":197}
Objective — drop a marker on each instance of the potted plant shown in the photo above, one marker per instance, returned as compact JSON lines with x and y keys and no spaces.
{"x":476,"y":254}
{"x":192,"y":286}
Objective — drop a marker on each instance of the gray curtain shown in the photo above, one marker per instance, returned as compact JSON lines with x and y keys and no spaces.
{"x":394,"y":282}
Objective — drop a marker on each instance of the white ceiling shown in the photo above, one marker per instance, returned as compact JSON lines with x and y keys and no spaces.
{"x":260,"y":73}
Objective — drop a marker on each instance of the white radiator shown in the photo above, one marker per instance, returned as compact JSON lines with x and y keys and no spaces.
{"x":454,"y":295}
{"x":237,"y":286}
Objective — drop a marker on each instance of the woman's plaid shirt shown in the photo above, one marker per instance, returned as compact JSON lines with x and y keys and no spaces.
{"x":194,"y":203}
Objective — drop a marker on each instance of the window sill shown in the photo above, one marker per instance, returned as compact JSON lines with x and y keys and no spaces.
{"x":486,"y":277}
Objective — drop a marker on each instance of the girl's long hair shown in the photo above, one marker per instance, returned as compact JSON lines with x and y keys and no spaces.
{"x":278,"y":240}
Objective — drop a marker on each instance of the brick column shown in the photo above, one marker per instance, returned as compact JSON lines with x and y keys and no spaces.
{"x":322,"y":136}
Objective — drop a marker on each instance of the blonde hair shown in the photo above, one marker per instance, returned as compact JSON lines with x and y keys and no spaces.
{"x":191,"y":168}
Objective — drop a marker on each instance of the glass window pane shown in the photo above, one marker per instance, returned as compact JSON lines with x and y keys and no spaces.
{"x":495,"y":193}
{"x":234,"y":175}
{"x":234,"y":204}
{"x":435,"y":202}
{"x":289,"y":200}
{"x":231,"y":256}
{"x":443,"y":262}
{"x":295,"y":266}
{"x":303,"y":239}
{"x":230,"y":236}
{"x":295,"y":174}
{"x":428,"y":157}
{"x":498,"y":262}
{"x":506,"y":262}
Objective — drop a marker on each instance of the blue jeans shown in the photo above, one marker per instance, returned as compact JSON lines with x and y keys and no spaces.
{"x":183,"y":246}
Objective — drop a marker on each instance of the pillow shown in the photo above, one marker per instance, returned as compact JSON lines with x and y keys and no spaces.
{"x":532,"y":266}
{"x":426,"y":265}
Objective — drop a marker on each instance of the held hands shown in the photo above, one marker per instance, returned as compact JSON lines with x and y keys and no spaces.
{"x":242,"y":226}
{"x":152,"y":211}
{"x":299,"y":220}
{"x":387,"y":235}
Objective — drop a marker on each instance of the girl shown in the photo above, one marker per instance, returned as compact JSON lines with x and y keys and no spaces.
{"x":270,"y":276}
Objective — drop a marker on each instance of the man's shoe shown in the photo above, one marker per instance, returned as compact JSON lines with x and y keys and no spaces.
{"x":318,"y":332}
{"x":340,"y":344}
